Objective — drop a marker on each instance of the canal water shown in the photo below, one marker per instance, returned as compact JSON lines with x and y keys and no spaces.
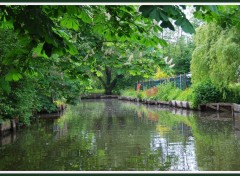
{"x":113,"y":135}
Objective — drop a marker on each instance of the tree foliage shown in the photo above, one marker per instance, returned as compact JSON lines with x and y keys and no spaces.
{"x":48,"y":47}
{"x":59,"y":48}
{"x":30,"y":84}
{"x":216,"y":56}
{"x":179,"y":50}
{"x":65,"y":30}
{"x":182,"y":55}
{"x":225,"y":16}
{"x":163,"y":14}
{"x":116,"y":61}
{"x":160,"y":74}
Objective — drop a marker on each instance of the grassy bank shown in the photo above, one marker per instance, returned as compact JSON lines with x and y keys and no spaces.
{"x":202,"y":93}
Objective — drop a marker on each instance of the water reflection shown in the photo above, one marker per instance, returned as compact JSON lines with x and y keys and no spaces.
{"x":115,"y":135}
{"x":8,"y":139}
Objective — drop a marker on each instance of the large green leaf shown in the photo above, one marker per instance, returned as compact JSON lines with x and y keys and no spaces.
{"x":63,"y":33}
{"x":171,"y":10}
{"x":73,"y":10}
{"x":132,"y":72}
{"x":154,"y":14}
{"x":120,"y":71}
{"x":164,"y":17}
{"x":162,"y":42}
{"x":146,"y":10}
{"x":179,"y":21}
{"x":6,"y":24}
{"x":162,"y":13}
{"x":167,"y":24}
{"x":72,"y":49}
{"x":85,"y":16}
{"x":38,"y":51}
{"x":13,"y":75}
{"x":187,"y":26}
{"x":69,"y":22}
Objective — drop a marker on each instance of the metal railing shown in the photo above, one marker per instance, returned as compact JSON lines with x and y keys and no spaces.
{"x":182,"y":81}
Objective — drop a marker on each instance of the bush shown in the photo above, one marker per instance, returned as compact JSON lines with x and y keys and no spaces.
{"x":133,"y":93}
{"x":232,"y":94}
{"x":141,"y":94}
{"x":174,"y":93}
{"x":164,"y":90}
{"x":206,"y":92}
{"x":186,"y":95}
{"x":129,"y":93}
{"x":20,"y":103}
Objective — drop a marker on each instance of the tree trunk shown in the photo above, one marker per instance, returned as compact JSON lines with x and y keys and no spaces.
{"x":108,"y":90}
{"x":108,"y":83}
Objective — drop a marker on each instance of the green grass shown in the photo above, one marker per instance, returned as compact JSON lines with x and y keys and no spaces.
{"x":96,"y":91}
{"x":186,"y":95}
{"x":166,"y":92}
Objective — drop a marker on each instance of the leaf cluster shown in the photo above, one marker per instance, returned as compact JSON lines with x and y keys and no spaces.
{"x":163,"y":14}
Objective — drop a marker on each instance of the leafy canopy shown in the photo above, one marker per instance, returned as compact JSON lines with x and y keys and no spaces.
{"x":217,"y":55}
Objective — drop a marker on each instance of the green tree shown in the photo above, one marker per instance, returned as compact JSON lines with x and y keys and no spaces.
{"x":183,"y":55}
{"x":179,"y":50}
{"x":216,"y":56}
{"x":29,"y":83}
{"x":55,"y":49}
{"x":54,"y":29}
{"x":116,"y":62}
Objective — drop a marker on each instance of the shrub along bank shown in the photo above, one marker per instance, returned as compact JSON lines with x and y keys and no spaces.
{"x":32,"y":95}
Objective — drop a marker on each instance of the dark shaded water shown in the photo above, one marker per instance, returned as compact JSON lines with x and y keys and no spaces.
{"x":114,"y":135}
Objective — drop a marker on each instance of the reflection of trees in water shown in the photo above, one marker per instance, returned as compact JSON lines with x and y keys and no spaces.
{"x":173,"y":138}
{"x":180,"y":156}
{"x":114,"y":135}
{"x":8,"y":138}
{"x":217,"y":147}
{"x":60,"y":131}
{"x":213,"y":147}
{"x":125,"y":139}
{"x":101,"y":135}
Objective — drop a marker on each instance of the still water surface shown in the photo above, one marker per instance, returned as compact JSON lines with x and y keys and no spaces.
{"x":113,"y":135}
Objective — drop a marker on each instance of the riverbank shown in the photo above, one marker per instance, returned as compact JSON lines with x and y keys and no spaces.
{"x":7,"y":127}
{"x":219,"y":107}
{"x":225,"y":107}
{"x":98,"y":96}
{"x":172,"y":103}
{"x":10,"y":126}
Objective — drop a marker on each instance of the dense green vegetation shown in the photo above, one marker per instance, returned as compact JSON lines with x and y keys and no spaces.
{"x":179,"y":50}
{"x":216,"y":59}
{"x":212,"y":57}
{"x":166,"y":92}
{"x":52,"y":54}
{"x":31,"y":85}
{"x":211,"y":137}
